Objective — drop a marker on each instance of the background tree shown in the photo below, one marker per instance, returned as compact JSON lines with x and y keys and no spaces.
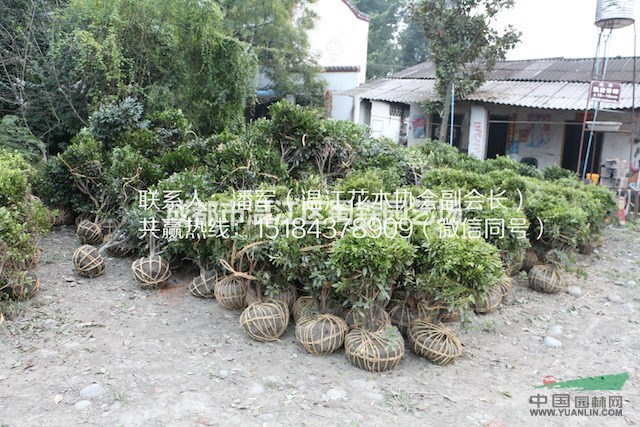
{"x":395,"y":40}
{"x":277,"y":33}
{"x":464,"y":46}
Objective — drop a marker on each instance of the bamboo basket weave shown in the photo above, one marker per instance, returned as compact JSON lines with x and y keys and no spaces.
{"x":402,"y":314}
{"x":24,"y":286}
{"x":88,"y":262}
{"x":120,"y":251}
{"x":530,"y":259}
{"x":202,"y":286}
{"x":544,"y":278}
{"x":35,"y":259}
{"x":434,"y":342}
{"x":289,"y":296}
{"x":374,"y":351}
{"x":303,"y":307}
{"x":265,"y":321}
{"x":151,"y":272}
{"x":230,"y":292}
{"x":321,"y":335}
{"x":490,"y":301}
{"x":506,"y":286}
{"x":62,"y":218}
{"x":375,"y":320}
{"x":89,"y":233}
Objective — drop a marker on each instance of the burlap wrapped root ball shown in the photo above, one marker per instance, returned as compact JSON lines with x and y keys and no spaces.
{"x":151,"y":272}
{"x":374,"y":351}
{"x":402,"y":314}
{"x":486,"y":303}
{"x":265,"y":321}
{"x":230,"y":292}
{"x":88,"y":262}
{"x":434,"y":342}
{"x":89,"y":232}
{"x":322,"y":334}
{"x":547,"y":279}
{"x":202,"y":286}
{"x":375,"y":318}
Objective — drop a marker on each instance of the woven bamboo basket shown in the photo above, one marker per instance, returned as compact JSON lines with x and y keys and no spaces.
{"x":89,"y":233}
{"x":374,"y":351}
{"x":63,"y":217}
{"x":202,"y":286}
{"x":375,"y":319}
{"x":23,"y":287}
{"x":265,"y":321}
{"x":252,"y":297}
{"x":530,"y":259}
{"x":545,"y":278}
{"x":506,"y":286}
{"x":321,"y":335}
{"x":151,"y":272}
{"x":304,"y":307}
{"x":289,"y":296}
{"x":120,"y":251}
{"x":490,"y":301}
{"x":35,"y":259}
{"x":402,"y":314}
{"x":108,"y":226}
{"x":88,"y":262}
{"x":446,"y":316}
{"x":434,"y":342}
{"x":230,"y":292}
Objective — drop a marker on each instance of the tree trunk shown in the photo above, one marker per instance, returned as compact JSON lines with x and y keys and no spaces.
{"x":446,"y":113}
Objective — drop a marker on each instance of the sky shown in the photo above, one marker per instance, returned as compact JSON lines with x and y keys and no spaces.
{"x":563,"y":28}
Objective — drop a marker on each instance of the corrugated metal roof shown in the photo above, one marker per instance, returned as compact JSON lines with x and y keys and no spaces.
{"x":560,"y":95}
{"x":619,"y":69}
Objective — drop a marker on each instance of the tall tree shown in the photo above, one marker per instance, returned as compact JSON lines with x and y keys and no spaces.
{"x":277,"y":33}
{"x":395,"y":40}
{"x":464,"y":45}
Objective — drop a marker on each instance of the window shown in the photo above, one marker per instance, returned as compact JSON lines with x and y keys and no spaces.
{"x":398,"y":109}
{"x":457,"y":128}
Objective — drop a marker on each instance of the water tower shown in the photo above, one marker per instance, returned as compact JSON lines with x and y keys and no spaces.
{"x":610,"y":15}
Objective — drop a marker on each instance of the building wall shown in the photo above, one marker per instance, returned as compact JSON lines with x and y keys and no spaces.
{"x":542,"y":140}
{"x":339,"y":38}
{"x":342,"y":106}
{"x":382,"y":123}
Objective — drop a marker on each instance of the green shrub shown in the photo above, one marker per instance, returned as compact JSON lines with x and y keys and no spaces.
{"x":14,"y":178}
{"x":15,"y":136}
{"x":553,"y":173}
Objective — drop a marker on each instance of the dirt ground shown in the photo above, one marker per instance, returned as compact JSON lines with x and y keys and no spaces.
{"x":105,"y":352}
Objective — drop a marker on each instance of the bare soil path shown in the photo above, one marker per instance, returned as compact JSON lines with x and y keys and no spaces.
{"x":105,"y":352}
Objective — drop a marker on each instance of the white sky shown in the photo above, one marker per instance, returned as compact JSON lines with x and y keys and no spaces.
{"x":554,"y":28}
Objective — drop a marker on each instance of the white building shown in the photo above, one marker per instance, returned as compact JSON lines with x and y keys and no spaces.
{"x":338,"y":41}
{"x":528,"y":109}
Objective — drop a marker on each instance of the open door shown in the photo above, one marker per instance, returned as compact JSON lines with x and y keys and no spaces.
{"x":498,"y":135}
{"x":572,"y":146}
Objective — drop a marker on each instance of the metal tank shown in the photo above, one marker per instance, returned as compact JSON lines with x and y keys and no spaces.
{"x":613,"y":14}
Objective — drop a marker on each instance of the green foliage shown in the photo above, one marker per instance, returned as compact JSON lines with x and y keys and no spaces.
{"x":464,"y":45}
{"x":395,"y":42}
{"x":455,"y":269}
{"x":371,"y":180}
{"x":553,"y":173}
{"x":55,"y":186}
{"x":277,"y":33}
{"x":112,"y":119}
{"x":368,"y":266}
{"x":22,"y":217}
{"x":14,"y":178}
{"x":15,"y":136}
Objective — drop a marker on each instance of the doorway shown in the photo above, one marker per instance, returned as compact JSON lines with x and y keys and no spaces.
{"x":572,"y":146}
{"x":498,"y":135}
